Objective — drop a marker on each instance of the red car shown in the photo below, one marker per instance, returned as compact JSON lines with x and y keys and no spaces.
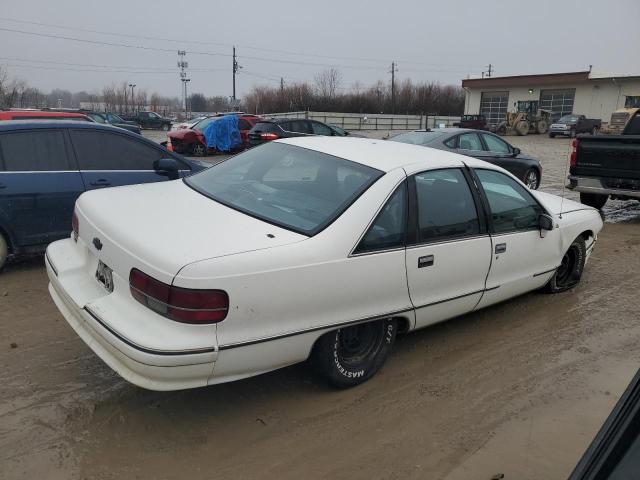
{"x":40,"y":115}
{"x":190,"y":141}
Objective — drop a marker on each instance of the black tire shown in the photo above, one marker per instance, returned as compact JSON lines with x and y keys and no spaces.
{"x":552,"y":135}
{"x":166,"y":127}
{"x":594,"y":200}
{"x":569,"y":273}
{"x":198,"y":149}
{"x":594,"y":131}
{"x":4,"y":251}
{"x":352,"y":355}
{"x":532,"y":178}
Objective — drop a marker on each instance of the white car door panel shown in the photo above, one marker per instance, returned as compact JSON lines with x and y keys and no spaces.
{"x":447,"y":279}
{"x":523,"y":258}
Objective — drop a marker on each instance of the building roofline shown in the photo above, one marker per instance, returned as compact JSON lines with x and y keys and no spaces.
{"x":528,"y":80}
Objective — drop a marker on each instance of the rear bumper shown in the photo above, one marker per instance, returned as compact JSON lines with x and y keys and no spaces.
{"x":594,"y":185}
{"x":144,"y":366}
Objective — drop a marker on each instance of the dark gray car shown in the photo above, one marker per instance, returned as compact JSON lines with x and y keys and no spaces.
{"x":479,"y":144}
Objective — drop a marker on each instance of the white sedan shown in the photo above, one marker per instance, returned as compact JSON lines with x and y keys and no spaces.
{"x":319,"y":248}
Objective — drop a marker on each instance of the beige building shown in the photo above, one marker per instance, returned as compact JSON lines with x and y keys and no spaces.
{"x":582,"y":93}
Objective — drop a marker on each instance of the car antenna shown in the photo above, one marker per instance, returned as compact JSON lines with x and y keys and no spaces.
{"x":564,"y":179}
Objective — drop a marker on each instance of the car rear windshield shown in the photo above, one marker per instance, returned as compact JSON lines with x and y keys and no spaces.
{"x":417,"y":138}
{"x":293,"y":187}
{"x":265,"y":127}
{"x":568,"y":119}
{"x":202,"y":124}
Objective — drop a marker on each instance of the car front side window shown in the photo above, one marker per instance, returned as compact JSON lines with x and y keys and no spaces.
{"x":388,"y":230}
{"x":512,"y":206}
{"x":496,"y":145}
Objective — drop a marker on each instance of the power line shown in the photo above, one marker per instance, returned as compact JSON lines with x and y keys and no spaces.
{"x":248,"y":47}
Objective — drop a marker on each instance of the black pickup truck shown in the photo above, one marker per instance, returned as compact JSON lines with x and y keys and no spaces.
{"x":572,"y":125}
{"x":604,"y":166}
{"x":150,"y":120}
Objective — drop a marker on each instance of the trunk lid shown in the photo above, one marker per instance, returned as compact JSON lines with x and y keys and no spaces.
{"x":159,"y":228}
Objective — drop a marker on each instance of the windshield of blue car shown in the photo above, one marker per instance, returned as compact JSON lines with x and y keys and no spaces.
{"x":296,"y":188}
{"x":202,"y":124}
{"x":417,"y":138}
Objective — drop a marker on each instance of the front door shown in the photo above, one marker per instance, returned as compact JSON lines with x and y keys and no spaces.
{"x":111,"y":159}
{"x":39,"y":185}
{"x":447,"y":264}
{"x":524,"y":257}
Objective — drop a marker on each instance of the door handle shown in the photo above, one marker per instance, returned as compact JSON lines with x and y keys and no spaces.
{"x":101,"y":183}
{"x":425,"y":261}
{"x":501,"y":248}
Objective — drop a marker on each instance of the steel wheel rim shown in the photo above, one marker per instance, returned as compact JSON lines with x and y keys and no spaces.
{"x":358,"y":342}
{"x":198,"y":149}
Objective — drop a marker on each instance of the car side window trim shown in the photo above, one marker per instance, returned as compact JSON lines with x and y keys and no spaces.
{"x":355,"y":253}
{"x":412,"y":228}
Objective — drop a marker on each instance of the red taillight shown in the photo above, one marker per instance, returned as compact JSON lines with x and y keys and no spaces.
{"x":179,"y":304}
{"x":169,"y":144}
{"x":269,"y":136}
{"x":74,"y":226}
{"x":574,"y":152}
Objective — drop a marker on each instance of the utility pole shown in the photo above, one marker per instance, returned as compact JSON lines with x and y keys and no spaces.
{"x":186,"y":97}
{"x":133,"y":98}
{"x":394,"y":69}
{"x":236,"y":67}
{"x":182,"y":65}
{"x":281,"y":85}
{"x":489,"y":72}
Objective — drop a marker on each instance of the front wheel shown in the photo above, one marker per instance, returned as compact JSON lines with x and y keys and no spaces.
{"x":350,"y":356}
{"x":4,"y":251}
{"x":569,"y":273}
{"x":594,"y":200}
{"x":532,"y":179}
{"x":165,"y":127}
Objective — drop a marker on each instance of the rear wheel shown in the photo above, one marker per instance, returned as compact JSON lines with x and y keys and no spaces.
{"x":569,"y":273}
{"x":4,"y":251}
{"x":198,"y":149}
{"x":165,"y":127}
{"x":351,"y":355}
{"x":532,"y":179}
{"x":594,"y":200}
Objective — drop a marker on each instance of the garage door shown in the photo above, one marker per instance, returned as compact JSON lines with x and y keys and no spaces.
{"x":559,"y":102}
{"x":493,"y":105}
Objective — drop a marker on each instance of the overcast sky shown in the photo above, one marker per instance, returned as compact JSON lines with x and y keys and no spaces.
{"x":443,"y":41}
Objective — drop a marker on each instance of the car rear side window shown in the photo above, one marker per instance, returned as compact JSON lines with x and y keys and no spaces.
{"x":111,"y":151}
{"x":265,"y":127}
{"x":388,"y":231}
{"x":299,"y":126}
{"x":42,"y":151}
{"x":512,"y":207}
{"x":446,"y":209}
{"x":469,"y":141}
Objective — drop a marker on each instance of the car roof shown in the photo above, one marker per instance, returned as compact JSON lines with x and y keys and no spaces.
{"x":380,"y":154}
{"x":15,"y":125}
{"x":40,"y":113}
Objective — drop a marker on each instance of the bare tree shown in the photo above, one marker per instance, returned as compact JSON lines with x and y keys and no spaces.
{"x":328,"y":82}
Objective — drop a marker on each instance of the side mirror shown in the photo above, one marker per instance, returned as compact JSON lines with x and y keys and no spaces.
{"x":516,"y":151}
{"x":167,"y":167}
{"x":545,"y":222}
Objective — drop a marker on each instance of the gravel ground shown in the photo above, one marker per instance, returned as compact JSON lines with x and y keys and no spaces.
{"x":519,"y":388}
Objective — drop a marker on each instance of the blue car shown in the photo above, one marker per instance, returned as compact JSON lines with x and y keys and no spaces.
{"x":46,"y":165}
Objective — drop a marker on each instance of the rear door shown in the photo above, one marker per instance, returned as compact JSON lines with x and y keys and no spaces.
{"x":449,"y":257}
{"x":111,"y":159}
{"x":39,"y":184}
